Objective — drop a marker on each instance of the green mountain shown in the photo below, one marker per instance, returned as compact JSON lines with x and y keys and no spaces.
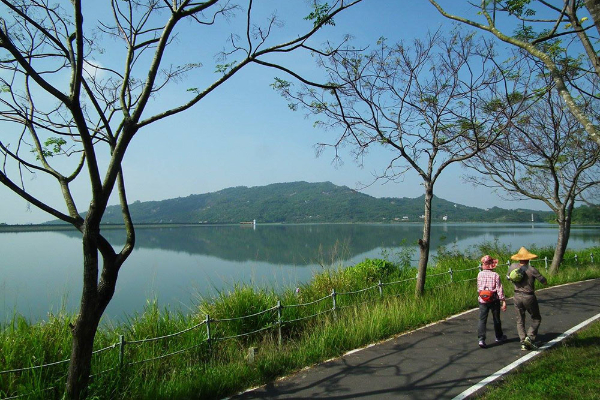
{"x":302,"y":202}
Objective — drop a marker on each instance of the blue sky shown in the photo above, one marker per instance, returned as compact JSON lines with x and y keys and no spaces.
{"x":243,"y":134}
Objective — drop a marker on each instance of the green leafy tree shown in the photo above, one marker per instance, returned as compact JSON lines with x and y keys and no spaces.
{"x":419,"y":101}
{"x":559,"y":34}
{"x":78,"y":107}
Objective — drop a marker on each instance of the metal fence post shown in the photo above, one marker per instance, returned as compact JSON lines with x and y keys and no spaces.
{"x":208,"y":330}
{"x":451,"y":275}
{"x":592,"y":257}
{"x":546,"y":262}
{"x":279,"y":321}
{"x":333,"y":296}
{"x":575,"y":258}
{"x":121,"y":351}
{"x":380,"y":286}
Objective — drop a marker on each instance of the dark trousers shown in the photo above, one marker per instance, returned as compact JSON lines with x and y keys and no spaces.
{"x":484,"y":309}
{"x":527,"y":303}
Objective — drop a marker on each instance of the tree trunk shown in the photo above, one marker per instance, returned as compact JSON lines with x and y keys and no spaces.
{"x":564,"y":232}
{"x":593,"y":7}
{"x":93,"y":304}
{"x":84,"y":333}
{"x":424,"y":243}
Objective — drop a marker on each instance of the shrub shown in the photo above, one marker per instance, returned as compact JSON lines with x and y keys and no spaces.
{"x":242,"y":300}
{"x":370,"y":271}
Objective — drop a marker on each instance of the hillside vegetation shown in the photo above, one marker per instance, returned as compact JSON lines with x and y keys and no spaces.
{"x":302,"y":202}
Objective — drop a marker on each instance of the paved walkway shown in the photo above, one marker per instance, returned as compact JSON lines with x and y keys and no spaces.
{"x":437,"y":362}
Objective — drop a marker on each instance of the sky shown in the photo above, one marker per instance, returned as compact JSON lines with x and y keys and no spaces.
{"x":244,"y":134}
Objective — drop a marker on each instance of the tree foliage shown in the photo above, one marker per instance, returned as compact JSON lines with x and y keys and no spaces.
{"x":559,"y":34}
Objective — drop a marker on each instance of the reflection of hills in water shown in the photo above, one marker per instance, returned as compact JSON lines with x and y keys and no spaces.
{"x":291,"y":244}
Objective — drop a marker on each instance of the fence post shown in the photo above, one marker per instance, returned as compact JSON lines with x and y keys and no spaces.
{"x":546,"y":262}
{"x":208,"y":330}
{"x":575,"y":258}
{"x":380,"y":286}
{"x":333,"y":294}
{"x":121,"y":351}
{"x":279,"y":321}
{"x":451,"y":275}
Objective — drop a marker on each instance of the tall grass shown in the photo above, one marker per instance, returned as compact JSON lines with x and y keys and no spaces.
{"x":218,"y":368}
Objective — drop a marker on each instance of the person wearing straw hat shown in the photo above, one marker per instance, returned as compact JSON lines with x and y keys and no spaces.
{"x":491,"y":298}
{"x":525,"y":299}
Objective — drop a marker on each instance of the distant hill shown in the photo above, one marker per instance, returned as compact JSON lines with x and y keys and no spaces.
{"x":302,"y":202}
{"x":586,"y":215}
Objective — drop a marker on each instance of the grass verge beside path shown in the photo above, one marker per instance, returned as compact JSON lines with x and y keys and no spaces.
{"x":570,"y":370}
{"x":188,"y":366}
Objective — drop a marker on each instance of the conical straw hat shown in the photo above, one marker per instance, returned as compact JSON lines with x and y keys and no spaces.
{"x":523,"y":254}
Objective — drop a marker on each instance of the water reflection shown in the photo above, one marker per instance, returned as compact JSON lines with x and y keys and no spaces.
{"x":41,"y":271}
{"x":307,"y":244}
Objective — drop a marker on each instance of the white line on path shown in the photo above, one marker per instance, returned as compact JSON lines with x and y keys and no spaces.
{"x":523,"y":359}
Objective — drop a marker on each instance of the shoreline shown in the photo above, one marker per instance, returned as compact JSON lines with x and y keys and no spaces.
{"x":65,"y":227}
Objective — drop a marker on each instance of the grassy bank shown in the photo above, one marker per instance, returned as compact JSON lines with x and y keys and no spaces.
{"x":187,"y":365}
{"x":568,"y":371}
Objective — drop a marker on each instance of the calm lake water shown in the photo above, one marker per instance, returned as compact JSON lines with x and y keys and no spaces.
{"x":40,"y":272}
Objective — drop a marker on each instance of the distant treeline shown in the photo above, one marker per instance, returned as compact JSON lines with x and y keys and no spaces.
{"x":586,"y":215}
{"x":302,"y":202}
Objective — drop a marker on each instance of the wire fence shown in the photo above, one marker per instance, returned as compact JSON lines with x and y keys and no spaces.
{"x":274,"y":318}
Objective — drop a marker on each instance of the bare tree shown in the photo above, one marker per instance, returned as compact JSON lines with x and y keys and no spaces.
{"x":63,"y":95}
{"x":553,"y":32}
{"x":591,"y":198}
{"x":544,"y":155}
{"x":419,"y":101}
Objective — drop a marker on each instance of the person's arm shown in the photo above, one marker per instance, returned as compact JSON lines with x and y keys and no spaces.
{"x":500,"y":291}
{"x":541,"y":278}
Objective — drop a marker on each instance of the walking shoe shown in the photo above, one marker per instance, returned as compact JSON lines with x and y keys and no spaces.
{"x":524,"y":346}
{"x":482,"y":344}
{"x":529,"y":343}
{"x":501,"y":339}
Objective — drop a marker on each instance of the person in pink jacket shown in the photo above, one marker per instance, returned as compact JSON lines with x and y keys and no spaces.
{"x":491,"y":298}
